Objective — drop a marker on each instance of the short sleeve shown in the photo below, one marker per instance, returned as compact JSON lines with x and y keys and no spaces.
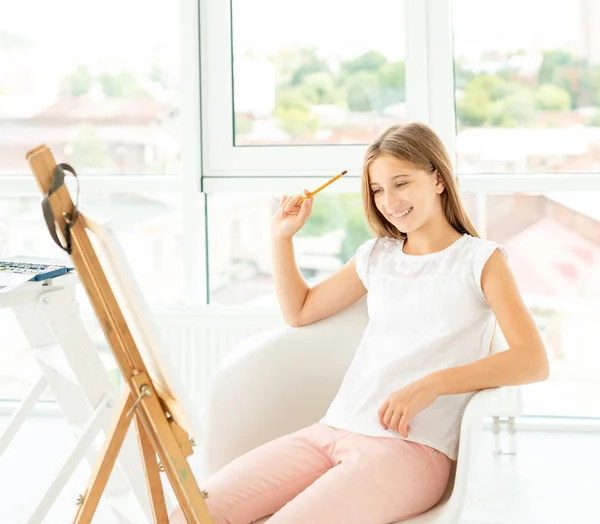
{"x":363,"y":254}
{"x":482,"y":255}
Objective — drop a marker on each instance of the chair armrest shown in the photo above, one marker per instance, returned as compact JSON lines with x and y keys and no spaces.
{"x":276,"y":383}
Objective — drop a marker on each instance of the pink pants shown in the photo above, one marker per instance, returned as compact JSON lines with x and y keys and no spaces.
{"x":324,"y":475}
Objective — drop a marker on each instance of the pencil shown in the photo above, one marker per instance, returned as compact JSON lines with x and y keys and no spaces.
{"x":313,"y":193}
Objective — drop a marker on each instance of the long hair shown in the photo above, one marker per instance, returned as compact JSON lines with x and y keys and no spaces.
{"x":419,"y":145}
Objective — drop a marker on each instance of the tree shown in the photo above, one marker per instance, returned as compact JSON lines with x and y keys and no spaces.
{"x":552,"y":98}
{"x":515,"y":110}
{"x":308,"y":63}
{"x":319,"y":88}
{"x":372,"y":82}
{"x":356,"y":229}
{"x":80,"y":82}
{"x":573,"y":74}
{"x":474,"y":108}
{"x":492,"y":100}
{"x":363,"y":92}
{"x":298,"y":122}
{"x":335,"y":211}
{"x":123,"y":84}
{"x":371,"y":61}
{"x":553,"y":63}
{"x":393,"y":83}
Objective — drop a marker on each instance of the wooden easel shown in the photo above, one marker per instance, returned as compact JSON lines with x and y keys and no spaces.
{"x":158,"y":423}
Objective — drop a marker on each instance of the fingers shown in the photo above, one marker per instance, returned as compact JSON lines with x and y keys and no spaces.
{"x":289,"y":205}
{"x":387,"y":418}
{"x":395,"y":420}
{"x":403,"y":426}
{"x":381,"y":412}
{"x":305,"y":209}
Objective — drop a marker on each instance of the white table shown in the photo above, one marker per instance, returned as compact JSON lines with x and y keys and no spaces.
{"x":71,"y":368}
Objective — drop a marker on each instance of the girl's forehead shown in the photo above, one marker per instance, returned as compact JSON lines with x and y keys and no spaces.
{"x":386,"y":167}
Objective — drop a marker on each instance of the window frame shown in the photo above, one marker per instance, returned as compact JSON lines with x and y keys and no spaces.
{"x":221,"y":157}
{"x":187,"y":184}
{"x":430,"y":99}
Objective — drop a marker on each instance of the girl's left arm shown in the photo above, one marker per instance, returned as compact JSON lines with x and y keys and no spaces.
{"x":524,"y":362}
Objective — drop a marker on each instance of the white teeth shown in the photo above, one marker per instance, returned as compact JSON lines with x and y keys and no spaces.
{"x":403,"y":214}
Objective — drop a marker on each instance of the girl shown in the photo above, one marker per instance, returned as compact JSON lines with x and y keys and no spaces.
{"x":382,"y":452}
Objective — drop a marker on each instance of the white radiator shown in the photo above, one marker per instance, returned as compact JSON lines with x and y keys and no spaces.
{"x":199,"y":338}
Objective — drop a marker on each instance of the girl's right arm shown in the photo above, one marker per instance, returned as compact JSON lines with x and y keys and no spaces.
{"x":301,"y":304}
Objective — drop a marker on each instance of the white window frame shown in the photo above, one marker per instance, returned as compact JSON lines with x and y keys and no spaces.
{"x":205,"y":42}
{"x":187,"y":184}
{"x":430,"y":99}
{"x":221,"y":157}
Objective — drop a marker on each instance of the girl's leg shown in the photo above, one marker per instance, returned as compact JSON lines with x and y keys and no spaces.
{"x":261,"y":481}
{"x":375,"y":481}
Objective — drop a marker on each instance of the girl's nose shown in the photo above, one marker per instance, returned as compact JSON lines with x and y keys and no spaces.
{"x":390,"y":202}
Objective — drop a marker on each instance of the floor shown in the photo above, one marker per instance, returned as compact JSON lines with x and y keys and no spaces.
{"x":553,"y":479}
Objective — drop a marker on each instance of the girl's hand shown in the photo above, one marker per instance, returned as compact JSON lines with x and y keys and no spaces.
{"x":401,"y":406}
{"x":290,"y":216}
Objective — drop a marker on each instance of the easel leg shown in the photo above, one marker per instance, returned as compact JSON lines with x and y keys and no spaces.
{"x":187,"y":491}
{"x":153,"y":480}
{"x":182,"y":480}
{"x":106,"y":461}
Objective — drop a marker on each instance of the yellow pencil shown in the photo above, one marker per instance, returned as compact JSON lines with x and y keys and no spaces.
{"x":313,"y":193}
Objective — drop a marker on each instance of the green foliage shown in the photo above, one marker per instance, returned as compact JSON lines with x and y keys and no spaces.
{"x":552,"y":98}
{"x":371,"y":61}
{"x":363,"y":93}
{"x":319,"y":88}
{"x":298,"y":122}
{"x":338,"y":211}
{"x":80,"y":82}
{"x":124,"y":84}
{"x":366,"y":83}
{"x":554,"y":63}
{"x":515,"y":110}
{"x":293,"y":111}
{"x":307,"y":63}
{"x":572,"y":74}
{"x":474,"y":107}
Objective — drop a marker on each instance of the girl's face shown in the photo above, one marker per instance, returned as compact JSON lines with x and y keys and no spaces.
{"x":406,"y":196}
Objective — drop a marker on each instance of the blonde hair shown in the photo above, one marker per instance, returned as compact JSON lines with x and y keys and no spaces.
{"x":419,"y":145}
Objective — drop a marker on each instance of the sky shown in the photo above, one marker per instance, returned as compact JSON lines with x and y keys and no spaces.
{"x":117,"y":31}
{"x":135,"y":30}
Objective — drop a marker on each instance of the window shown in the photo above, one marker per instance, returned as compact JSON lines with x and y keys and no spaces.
{"x":553,"y":244}
{"x":527,"y":96}
{"x":240,"y":267}
{"x":311,"y":78}
{"x":149,"y":228}
{"x":101,"y":90}
{"x":313,"y":74}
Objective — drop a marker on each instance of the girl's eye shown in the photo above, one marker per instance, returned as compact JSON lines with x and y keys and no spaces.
{"x":401,"y":184}
{"x":375,"y":191}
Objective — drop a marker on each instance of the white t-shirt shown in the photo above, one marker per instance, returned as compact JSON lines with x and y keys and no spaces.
{"x":426,"y":313}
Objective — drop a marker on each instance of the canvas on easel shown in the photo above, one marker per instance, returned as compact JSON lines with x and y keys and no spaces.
{"x":153,"y":397}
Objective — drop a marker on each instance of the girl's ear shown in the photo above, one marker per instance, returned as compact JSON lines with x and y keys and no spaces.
{"x":439,"y":183}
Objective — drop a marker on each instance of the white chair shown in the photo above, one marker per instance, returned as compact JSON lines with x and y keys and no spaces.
{"x":283,"y":381}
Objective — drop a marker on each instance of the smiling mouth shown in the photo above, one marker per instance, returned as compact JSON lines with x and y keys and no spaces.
{"x":401,"y":215}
